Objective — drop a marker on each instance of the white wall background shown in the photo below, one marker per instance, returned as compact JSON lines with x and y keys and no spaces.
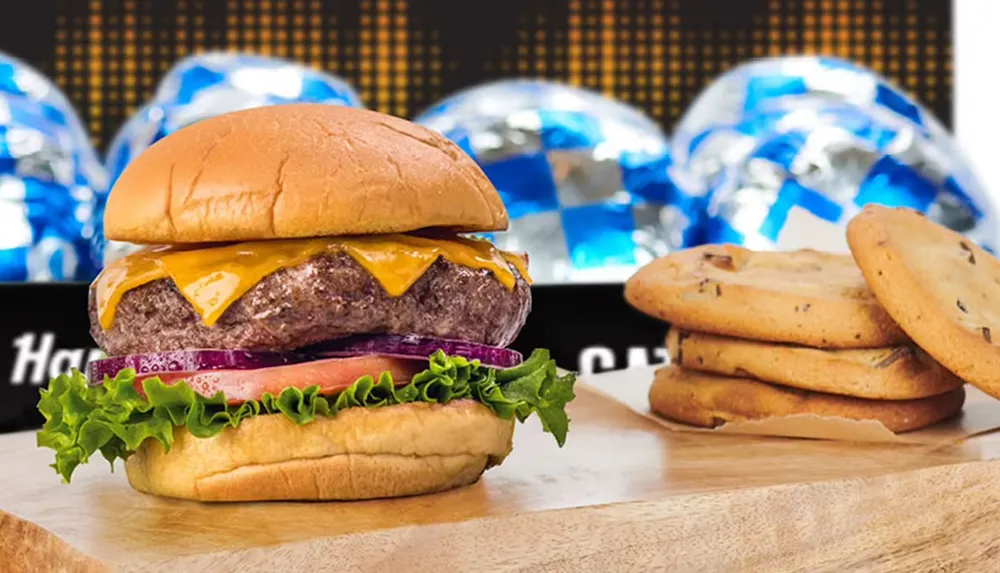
{"x":976,"y":36}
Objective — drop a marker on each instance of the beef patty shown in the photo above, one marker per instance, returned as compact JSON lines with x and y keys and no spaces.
{"x":326,"y":297}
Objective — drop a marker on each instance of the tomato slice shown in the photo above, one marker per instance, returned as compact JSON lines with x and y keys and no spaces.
{"x":332,"y":375}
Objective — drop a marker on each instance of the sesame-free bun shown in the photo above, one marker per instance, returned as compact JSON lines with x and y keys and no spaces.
{"x":360,"y":453}
{"x":299,"y":170}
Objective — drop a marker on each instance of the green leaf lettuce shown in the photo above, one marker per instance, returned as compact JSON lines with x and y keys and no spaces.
{"x":115,"y":419}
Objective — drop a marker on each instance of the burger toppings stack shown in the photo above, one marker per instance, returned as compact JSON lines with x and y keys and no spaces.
{"x":308,"y":319}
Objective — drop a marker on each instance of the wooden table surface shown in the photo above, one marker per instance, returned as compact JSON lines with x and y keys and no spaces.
{"x":625,"y":494}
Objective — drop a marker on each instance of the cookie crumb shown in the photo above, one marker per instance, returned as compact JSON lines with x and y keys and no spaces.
{"x":965,"y":247}
{"x":894,"y":356}
{"x":961,"y":306}
{"x":724,"y":262}
{"x":681,"y":336}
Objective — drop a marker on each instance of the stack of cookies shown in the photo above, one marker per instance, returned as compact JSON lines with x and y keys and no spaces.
{"x":866,"y":337}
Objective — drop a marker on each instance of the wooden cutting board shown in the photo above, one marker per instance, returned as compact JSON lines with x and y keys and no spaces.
{"x":624,"y":495}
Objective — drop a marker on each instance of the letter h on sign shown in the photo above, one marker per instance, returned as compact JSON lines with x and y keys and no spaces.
{"x":38,"y":356}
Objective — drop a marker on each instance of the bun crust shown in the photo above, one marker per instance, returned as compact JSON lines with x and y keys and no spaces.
{"x":299,"y":170}
{"x":361,"y":453}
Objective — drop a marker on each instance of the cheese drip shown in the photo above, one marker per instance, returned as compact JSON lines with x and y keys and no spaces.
{"x":213,"y":278}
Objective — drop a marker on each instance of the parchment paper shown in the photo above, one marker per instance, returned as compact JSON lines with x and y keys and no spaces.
{"x":980,"y":415}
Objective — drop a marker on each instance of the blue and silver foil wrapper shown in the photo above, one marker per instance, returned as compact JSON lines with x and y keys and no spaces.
{"x":786,"y":150}
{"x":584,"y":178}
{"x":211,"y":84}
{"x":50,"y":178}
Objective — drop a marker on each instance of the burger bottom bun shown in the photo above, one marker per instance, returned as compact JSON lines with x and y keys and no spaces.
{"x":361,"y":453}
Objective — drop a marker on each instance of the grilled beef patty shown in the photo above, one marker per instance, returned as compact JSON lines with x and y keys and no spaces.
{"x":326,"y":297}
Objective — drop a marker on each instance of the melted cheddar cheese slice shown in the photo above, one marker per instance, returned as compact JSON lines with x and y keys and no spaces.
{"x":213,"y":278}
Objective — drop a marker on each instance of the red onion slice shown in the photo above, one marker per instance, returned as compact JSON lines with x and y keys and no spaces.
{"x":412,"y":345}
{"x":190,"y":361}
{"x":394,"y":346}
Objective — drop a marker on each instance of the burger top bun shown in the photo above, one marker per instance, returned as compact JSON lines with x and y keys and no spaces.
{"x":361,"y":453}
{"x":299,"y":170}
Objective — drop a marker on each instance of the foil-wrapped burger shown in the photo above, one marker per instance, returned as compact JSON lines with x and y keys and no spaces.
{"x":787,"y":150}
{"x":583,"y":177}
{"x":49,"y":180}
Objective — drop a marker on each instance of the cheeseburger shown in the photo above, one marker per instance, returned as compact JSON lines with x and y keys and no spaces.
{"x":307,"y":318}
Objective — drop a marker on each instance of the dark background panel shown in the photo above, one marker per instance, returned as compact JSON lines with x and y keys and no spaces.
{"x":404,"y":55}
{"x":44,"y":332}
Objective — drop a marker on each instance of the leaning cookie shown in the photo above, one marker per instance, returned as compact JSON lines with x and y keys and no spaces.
{"x":709,"y":400}
{"x":802,"y":297}
{"x":897,"y":373}
{"x":943,"y":289}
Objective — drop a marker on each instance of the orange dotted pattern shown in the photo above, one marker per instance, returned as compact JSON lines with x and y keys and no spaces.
{"x":403,"y":55}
